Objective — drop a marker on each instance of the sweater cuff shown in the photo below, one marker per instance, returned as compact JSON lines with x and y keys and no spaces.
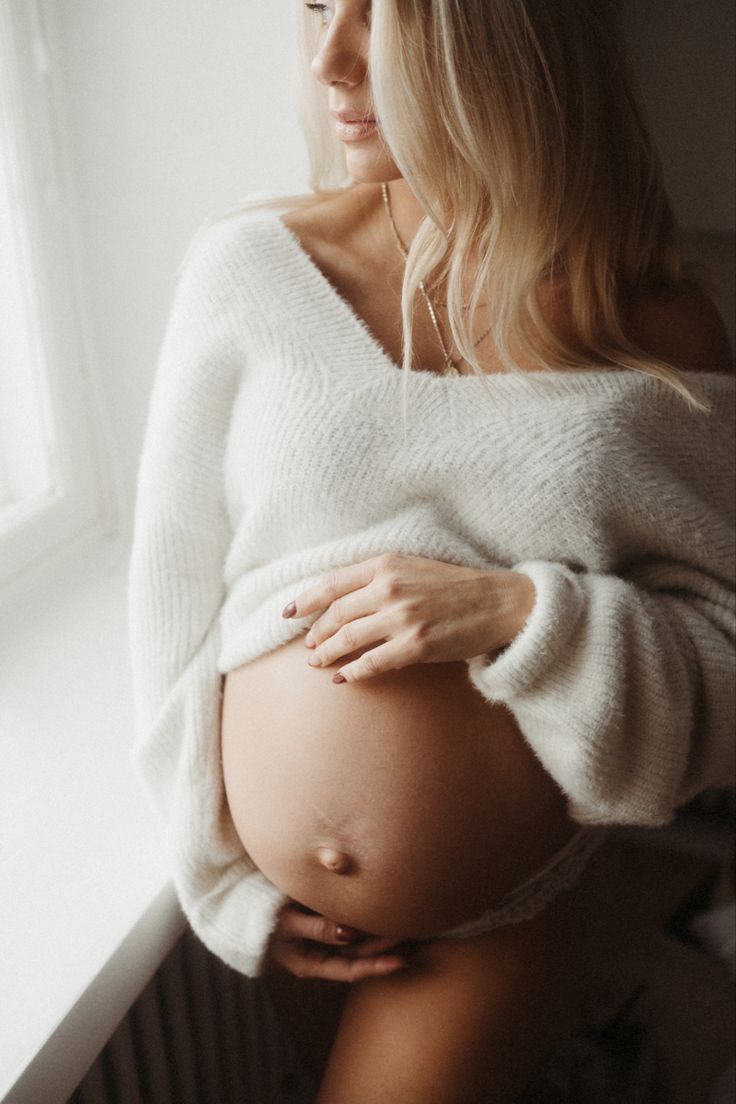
{"x":558,"y":606}
{"x":236,"y":920}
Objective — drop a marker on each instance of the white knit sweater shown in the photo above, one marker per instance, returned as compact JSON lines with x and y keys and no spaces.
{"x":274,"y":451}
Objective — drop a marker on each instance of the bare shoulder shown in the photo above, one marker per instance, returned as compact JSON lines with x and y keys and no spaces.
{"x":684,"y":327}
{"x":333,"y":222}
{"x":309,"y":214}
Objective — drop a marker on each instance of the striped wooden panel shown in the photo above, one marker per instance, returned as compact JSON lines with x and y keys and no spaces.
{"x":200,"y":1033}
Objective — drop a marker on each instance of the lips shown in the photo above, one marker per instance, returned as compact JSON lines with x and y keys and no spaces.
{"x":352,"y":117}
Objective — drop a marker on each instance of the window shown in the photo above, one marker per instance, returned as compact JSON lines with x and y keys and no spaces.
{"x":54,"y":473}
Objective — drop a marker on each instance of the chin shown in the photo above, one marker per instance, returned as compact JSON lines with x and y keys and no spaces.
{"x":367,"y":169}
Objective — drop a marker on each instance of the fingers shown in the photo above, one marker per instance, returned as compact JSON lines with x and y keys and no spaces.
{"x":358,"y":633}
{"x":295,"y":924}
{"x":375,"y":945}
{"x":360,"y":604}
{"x":314,"y":963}
{"x":333,"y":585}
{"x":391,"y":656}
{"x":306,"y":945}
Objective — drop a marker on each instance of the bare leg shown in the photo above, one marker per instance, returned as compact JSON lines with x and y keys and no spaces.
{"x":468,"y":1021}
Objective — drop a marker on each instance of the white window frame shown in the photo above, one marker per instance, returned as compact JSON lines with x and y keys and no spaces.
{"x":79,"y":506}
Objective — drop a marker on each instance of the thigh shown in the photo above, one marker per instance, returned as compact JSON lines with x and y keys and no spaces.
{"x":467,"y":1022}
{"x":471,"y":1019}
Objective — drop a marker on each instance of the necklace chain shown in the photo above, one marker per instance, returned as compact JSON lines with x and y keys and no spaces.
{"x":450,"y":363}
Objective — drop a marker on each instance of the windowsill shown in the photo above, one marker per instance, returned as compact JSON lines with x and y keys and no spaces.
{"x":88,"y":911}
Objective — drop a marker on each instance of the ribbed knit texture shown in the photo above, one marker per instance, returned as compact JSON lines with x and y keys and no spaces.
{"x":274,"y":452}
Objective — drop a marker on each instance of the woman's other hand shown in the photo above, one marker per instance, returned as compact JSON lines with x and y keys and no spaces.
{"x":409,"y":609}
{"x":309,"y":945}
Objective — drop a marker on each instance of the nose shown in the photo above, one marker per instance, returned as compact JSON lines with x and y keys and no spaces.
{"x":342,"y":54}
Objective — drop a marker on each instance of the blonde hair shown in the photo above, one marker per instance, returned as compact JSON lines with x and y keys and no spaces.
{"x":518,"y":126}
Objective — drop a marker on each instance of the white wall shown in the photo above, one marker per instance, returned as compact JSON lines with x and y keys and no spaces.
{"x":177,"y":108}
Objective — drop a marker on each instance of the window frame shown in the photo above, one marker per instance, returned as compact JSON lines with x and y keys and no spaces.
{"x":80,"y":506}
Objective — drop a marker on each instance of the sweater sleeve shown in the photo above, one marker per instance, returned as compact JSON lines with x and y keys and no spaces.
{"x":624,"y":684}
{"x":181,"y":535}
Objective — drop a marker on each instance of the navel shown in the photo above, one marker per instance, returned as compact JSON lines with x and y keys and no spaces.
{"x":336,"y":861}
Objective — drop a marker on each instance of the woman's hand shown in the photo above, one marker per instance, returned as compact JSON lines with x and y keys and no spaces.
{"x":308,"y":945}
{"x":417,"y":610}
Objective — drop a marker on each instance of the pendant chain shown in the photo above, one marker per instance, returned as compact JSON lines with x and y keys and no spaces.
{"x":450,"y":363}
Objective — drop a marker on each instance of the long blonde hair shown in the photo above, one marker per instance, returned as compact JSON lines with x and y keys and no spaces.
{"x":519,"y":128}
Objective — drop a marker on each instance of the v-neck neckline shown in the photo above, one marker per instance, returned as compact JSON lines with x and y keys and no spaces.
{"x":354,"y":327}
{"x":337,"y":300}
{"x":358,"y":325}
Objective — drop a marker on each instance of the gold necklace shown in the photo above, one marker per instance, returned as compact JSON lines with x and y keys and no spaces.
{"x":450,"y":363}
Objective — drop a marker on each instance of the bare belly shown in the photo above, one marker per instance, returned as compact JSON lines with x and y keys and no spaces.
{"x":402,"y":805}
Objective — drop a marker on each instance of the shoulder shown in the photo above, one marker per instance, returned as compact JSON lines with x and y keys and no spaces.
{"x":684,"y":327}
{"x":224,"y":233}
{"x":244,"y":234}
{"x":337,"y":220}
{"x":227,"y":260}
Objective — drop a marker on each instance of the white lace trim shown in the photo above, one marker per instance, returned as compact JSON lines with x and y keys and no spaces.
{"x":526,"y":900}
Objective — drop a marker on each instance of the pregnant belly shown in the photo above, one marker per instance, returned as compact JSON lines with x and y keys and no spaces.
{"x":402,"y":805}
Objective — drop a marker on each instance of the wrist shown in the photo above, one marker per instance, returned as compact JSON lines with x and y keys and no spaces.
{"x":527,"y":597}
{"x":520,"y":600}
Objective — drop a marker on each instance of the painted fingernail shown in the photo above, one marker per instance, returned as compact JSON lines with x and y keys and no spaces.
{"x":290,"y":610}
{"x":339,"y":678}
{"x":346,"y":934}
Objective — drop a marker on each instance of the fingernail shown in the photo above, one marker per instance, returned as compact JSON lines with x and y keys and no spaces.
{"x":346,"y":934}
{"x":290,"y":610}
{"x":339,"y":678}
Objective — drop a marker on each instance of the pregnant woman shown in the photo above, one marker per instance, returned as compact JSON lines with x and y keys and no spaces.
{"x":432,"y":570}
